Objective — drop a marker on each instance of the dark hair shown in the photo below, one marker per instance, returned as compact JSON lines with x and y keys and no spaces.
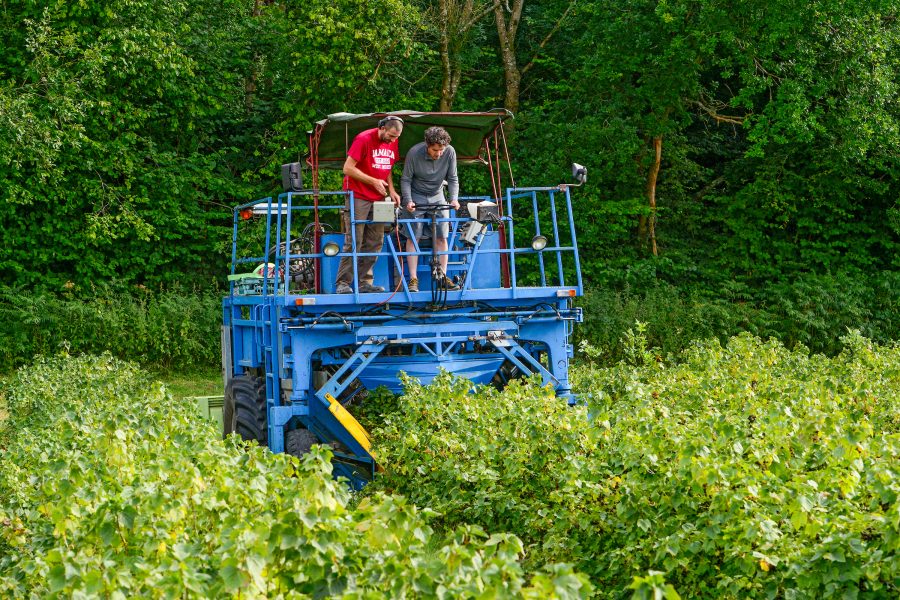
{"x":437,"y":135}
{"x":391,"y":119}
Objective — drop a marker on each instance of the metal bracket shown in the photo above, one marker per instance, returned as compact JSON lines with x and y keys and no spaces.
{"x":499,"y":338}
{"x":356,"y":364}
{"x":512,"y":350}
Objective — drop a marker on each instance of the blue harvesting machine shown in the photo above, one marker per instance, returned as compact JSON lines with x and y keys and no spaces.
{"x":297,"y":356}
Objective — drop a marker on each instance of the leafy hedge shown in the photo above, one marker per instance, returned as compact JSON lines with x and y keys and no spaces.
{"x":109,"y":487}
{"x":175,"y":329}
{"x":179,"y":328}
{"x":811,"y":309}
{"x":743,"y":471}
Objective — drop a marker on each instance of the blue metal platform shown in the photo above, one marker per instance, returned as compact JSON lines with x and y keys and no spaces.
{"x":318,"y":352}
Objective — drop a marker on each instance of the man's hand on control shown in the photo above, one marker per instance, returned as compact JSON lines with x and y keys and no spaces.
{"x":454,"y":204}
{"x":380,"y":186}
{"x":396,"y":198}
{"x":411,"y":206}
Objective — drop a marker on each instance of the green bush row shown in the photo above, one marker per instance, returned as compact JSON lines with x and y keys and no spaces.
{"x":743,"y":471}
{"x":813,"y":310}
{"x":180,"y":329}
{"x":111,"y":488}
{"x":170,"y":330}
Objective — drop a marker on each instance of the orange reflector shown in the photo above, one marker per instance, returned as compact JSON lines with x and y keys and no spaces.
{"x":565,"y":293}
{"x":305,"y":301}
{"x":247,"y":214}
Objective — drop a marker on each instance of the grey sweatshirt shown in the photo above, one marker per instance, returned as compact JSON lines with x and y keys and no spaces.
{"x":423,"y":176}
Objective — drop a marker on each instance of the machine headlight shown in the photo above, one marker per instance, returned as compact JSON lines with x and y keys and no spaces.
{"x":331,"y":249}
{"x":538,"y":243}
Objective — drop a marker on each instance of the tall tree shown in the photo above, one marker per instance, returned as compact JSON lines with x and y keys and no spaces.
{"x":806,"y":94}
{"x":110,"y":175}
{"x":508,"y":19}
{"x":324,"y":56}
{"x":455,"y":21}
{"x":128,"y":128}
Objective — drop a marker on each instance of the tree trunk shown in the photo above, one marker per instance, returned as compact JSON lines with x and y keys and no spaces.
{"x":506,"y":32}
{"x":250,"y":83}
{"x":446,"y":66}
{"x":456,"y":18}
{"x":507,"y":29}
{"x":651,"y":192}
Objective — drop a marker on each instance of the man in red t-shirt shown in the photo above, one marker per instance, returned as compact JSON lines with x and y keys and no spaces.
{"x":367,"y":173}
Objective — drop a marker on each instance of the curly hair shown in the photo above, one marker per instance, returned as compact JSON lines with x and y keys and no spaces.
{"x":437,"y":135}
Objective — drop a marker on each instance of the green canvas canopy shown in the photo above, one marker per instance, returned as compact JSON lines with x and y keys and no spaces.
{"x":331,"y":138}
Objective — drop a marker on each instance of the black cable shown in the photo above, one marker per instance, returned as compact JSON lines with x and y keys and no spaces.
{"x":537,"y":309}
{"x":334,"y":314}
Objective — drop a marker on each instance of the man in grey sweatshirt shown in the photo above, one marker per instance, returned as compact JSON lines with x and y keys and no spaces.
{"x":427,"y":165}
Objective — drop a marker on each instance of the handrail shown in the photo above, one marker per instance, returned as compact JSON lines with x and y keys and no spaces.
{"x":544,"y":220}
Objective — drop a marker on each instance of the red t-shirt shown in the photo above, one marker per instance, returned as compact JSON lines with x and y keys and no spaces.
{"x":373,"y":157}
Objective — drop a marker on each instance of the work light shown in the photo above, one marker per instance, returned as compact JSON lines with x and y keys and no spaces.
{"x":538,"y":243}
{"x":331,"y":249}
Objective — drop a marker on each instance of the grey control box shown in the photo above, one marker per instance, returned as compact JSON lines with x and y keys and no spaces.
{"x":383,"y":212}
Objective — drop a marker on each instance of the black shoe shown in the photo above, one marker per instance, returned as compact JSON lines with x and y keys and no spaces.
{"x":448,"y":284}
{"x":343,"y":288}
{"x":368,"y":288}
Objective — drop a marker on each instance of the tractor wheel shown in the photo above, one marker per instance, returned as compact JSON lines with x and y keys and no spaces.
{"x":298,"y":442}
{"x":244,"y":409}
{"x":506,"y":373}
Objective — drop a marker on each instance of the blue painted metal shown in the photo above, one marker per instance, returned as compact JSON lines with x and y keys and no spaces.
{"x":311,"y":344}
{"x":479,"y":369}
{"x":330,"y":265}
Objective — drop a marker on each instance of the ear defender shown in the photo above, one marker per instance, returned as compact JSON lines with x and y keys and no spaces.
{"x":389,"y":119}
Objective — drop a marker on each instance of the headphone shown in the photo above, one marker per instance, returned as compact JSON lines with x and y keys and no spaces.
{"x":389,"y":119}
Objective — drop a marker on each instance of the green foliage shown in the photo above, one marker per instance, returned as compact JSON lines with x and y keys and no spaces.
{"x":737,"y":471}
{"x":128,"y":130}
{"x":168,"y":330}
{"x":318,"y":57}
{"x":815,"y":310}
{"x":111,"y":487}
{"x":107,"y":154}
{"x":778,"y":127}
{"x":673,"y":318}
{"x":521,"y":466}
{"x":769,"y":468}
{"x":810,"y":309}
{"x":653,"y":587}
{"x":377,"y":405}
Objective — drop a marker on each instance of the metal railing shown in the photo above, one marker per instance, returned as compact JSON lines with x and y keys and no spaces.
{"x":533,"y":212}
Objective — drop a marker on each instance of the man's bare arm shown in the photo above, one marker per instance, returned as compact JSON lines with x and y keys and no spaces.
{"x":394,"y":195}
{"x":351,"y":170}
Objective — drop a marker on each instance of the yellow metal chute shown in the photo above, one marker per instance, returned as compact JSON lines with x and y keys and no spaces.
{"x":350,"y":423}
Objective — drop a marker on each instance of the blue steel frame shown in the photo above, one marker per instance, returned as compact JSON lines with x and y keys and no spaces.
{"x":312,"y":348}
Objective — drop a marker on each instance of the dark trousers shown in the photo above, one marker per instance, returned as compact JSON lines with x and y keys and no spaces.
{"x":369,"y":238}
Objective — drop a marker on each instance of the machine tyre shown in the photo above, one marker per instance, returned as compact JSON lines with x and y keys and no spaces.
{"x":244,"y":409}
{"x":506,"y":373}
{"x":298,"y":442}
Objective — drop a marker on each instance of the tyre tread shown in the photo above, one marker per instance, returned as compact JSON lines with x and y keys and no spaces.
{"x":247,"y":395}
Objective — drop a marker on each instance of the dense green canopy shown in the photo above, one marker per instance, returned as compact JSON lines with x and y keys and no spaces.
{"x":745,"y":151}
{"x":468,"y":130}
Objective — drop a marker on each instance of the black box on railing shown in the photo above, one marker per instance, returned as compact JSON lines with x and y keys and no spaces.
{"x":487,"y":213}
